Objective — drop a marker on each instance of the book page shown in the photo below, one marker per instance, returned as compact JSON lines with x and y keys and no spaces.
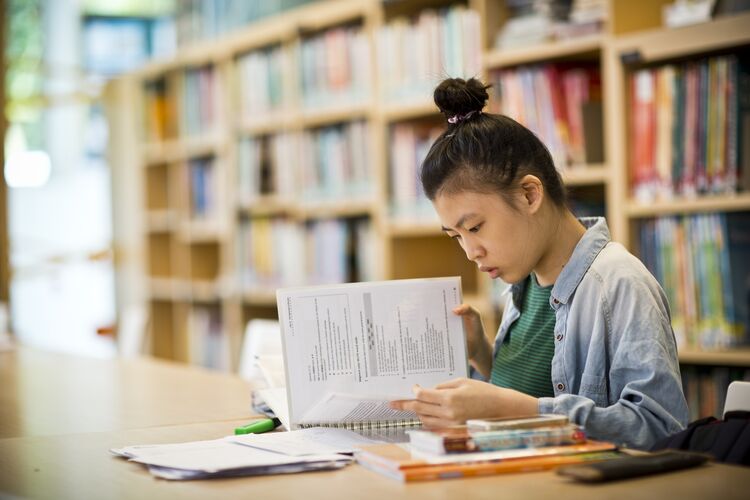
{"x":348,"y":408}
{"x":373,"y":340}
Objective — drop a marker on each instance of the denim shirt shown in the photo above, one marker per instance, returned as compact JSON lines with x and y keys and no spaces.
{"x":615,"y":368}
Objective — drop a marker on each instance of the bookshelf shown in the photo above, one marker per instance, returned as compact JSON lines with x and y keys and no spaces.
{"x":263,"y":234}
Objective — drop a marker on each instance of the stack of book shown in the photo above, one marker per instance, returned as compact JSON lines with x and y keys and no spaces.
{"x":484,"y":447}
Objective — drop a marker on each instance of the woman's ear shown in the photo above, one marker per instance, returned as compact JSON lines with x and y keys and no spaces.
{"x":532,"y":193}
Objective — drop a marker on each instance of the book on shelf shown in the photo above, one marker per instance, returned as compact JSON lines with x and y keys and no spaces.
{"x":462,"y":439}
{"x":399,"y":462}
{"x":334,"y":68}
{"x":703,"y":264}
{"x":260,"y":78}
{"x":349,"y":349}
{"x":200,"y":101}
{"x":561,"y":103}
{"x":277,"y":251}
{"x":335,"y":163}
{"x":705,"y":388}
{"x":415,"y":54}
{"x":208,"y":346}
{"x":158,"y":112}
{"x":410,"y":144}
{"x":690,"y":126}
{"x":203,"y":186}
{"x":533,"y":22}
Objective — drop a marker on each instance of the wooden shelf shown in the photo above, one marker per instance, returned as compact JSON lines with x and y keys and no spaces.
{"x":271,"y":124}
{"x":406,"y":228}
{"x":206,"y":291}
{"x":408,"y":111}
{"x":162,"y":289}
{"x":585,"y":175}
{"x":735,"y":357}
{"x":259,"y":297}
{"x":267,"y":206}
{"x":160,"y":221}
{"x":702,"y":204}
{"x":673,"y":43}
{"x":180,"y":149}
{"x":202,"y":231}
{"x":559,"y":49}
{"x":321,"y":118}
{"x":338,"y":208}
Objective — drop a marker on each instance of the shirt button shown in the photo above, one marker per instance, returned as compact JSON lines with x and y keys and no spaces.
{"x":559,"y":336}
{"x":560,"y":387}
{"x":555,"y":301}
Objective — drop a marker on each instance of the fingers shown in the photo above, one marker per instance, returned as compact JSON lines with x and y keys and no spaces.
{"x":464,"y":309}
{"x":450,"y":384}
{"x":420,"y":408}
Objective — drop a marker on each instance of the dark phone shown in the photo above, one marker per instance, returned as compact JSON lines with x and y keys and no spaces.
{"x":621,"y":468}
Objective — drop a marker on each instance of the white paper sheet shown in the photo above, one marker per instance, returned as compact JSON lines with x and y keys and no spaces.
{"x":369,"y":339}
{"x":314,"y":441}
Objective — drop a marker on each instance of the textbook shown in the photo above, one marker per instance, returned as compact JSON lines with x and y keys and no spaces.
{"x":461,"y":439}
{"x":398,"y":462}
{"x":350,"y":349}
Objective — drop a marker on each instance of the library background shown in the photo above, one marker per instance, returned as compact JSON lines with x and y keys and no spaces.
{"x":169,"y":164}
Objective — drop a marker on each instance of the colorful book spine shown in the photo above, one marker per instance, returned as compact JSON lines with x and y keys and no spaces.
{"x":334,"y":68}
{"x":687,"y":125}
{"x":701,"y":261}
{"x":552,"y":100}
{"x":413,"y":55}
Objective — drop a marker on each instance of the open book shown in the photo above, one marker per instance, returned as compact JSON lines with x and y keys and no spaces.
{"x":349,"y":349}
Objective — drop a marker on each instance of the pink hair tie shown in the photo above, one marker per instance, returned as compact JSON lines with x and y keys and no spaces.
{"x":459,"y":118}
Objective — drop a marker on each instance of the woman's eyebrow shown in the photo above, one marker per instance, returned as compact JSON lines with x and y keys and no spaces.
{"x":460,"y":222}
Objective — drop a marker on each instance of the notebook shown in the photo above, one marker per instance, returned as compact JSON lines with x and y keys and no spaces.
{"x":350,"y":349}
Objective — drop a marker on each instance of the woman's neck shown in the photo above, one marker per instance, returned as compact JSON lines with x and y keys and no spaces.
{"x":565,"y":231}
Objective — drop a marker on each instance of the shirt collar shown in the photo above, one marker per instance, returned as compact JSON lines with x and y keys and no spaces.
{"x":591,"y":243}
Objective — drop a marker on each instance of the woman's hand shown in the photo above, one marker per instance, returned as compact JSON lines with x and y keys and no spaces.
{"x":455,"y":401}
{"x":478,"y":347}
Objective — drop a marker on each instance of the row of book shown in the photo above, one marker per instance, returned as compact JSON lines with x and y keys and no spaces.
{"x":705,"y":388}
{"x":415,"y":54}
{"x":208,"y":345}
{"x":690,"y":128}
{"x":159,"y":113}
{"x":561,"y":103}
{"x":410,"y":143}
{"x":328,"y":163}
{"x":197,"y":20}
{"x":200,"y":101}
{"x":703,"y":264}
{"x":277,"y":252}
{"x":335,"y":68}
{"x":261,"y":83}
{"x":203,"y":188}
{"x":506,"y":446}
{"x":533,"y":22}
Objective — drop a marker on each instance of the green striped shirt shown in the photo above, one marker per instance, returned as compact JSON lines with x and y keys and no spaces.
{"x":524,"y":360}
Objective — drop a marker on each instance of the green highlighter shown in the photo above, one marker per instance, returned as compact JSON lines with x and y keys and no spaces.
{"x":259,"y":426}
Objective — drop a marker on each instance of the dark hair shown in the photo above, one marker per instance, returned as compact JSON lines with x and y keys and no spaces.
{"x":484,"y":152}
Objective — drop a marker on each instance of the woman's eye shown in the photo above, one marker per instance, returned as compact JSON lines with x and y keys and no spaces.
{"x":475,"y":228}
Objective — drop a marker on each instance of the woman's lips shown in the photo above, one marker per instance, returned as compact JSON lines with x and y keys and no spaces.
{"x":492,"y":271}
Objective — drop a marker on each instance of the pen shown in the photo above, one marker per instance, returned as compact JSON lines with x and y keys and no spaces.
{"x":265,"y":425}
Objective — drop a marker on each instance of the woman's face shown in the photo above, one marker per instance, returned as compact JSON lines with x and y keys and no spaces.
{"x":499,"y":239}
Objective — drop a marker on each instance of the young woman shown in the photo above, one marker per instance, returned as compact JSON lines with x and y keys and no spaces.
{"x":586,"y":332}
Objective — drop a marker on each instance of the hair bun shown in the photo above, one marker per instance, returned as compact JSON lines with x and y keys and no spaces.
{"x":458,"y":97}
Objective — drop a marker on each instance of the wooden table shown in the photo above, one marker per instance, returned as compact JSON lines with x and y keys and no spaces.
{"x":41,"y":459}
